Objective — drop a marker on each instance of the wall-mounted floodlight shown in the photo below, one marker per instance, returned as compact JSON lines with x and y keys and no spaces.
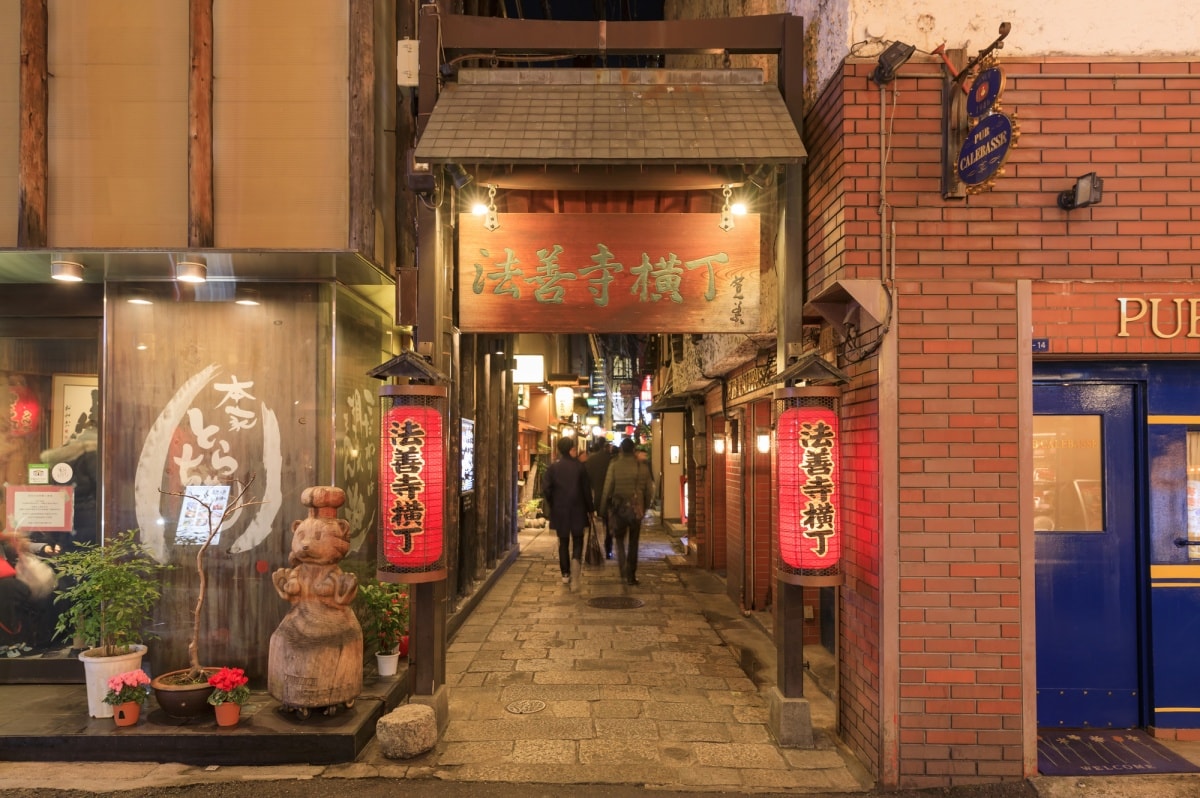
{"x":894,"y":57}
{"x":1088,"y":190}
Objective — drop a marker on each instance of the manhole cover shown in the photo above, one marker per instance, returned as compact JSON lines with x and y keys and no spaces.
{"x":526,"y":707}
{"x":615,"y":602}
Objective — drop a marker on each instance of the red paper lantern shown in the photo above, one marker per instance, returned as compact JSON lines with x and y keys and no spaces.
{"x":808,"y":442}
{"x":412,"y":484}
{"x":24,"y":412}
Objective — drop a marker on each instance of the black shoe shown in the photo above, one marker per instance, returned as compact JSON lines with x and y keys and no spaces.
{"x":633,"y":580}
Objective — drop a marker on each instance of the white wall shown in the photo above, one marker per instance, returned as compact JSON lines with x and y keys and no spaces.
{"x":1156,"y":28}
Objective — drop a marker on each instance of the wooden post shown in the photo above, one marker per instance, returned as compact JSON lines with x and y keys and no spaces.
{"x":201,"y":232}
{"x":34,"y":158}
{"x":361,"y":121}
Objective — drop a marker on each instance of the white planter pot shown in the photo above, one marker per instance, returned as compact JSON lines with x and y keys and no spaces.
{"x":97,"y":670}
{"x":388,"y":664}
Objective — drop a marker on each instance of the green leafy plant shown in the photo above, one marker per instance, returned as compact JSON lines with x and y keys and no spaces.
{"x":109,"y":594}
{"x":384,"y":608}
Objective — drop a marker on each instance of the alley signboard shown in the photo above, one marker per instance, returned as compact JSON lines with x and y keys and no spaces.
{"x":598,"y":273}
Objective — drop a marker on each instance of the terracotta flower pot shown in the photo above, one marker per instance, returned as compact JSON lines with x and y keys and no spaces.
{"x":127,"y":714}
{"x":228,"y":713}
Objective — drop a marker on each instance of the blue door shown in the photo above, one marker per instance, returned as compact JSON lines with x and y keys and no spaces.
{"x":1085,"y":513}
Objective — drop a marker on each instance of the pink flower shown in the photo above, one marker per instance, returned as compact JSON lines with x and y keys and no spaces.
{"x":128,"y":686}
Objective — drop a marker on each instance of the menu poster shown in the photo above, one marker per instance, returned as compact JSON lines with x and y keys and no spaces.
{"x":194,"y":517}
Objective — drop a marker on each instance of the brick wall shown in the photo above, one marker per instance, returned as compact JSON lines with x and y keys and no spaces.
{"x":956,"y":674}
{"x":829,"y":129}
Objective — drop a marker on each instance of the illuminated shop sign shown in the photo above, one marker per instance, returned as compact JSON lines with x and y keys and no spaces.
{"x":809,"y":481}
{"x":412,"y":474}
{"x":580,"y":272}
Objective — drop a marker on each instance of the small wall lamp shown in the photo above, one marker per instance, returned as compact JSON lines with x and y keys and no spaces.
{"x":894,"y":57}
{"x":190,"y":271}
{"x":459,"y":175}
{"x":762,"y":440}
{"x":66,"y":271}
{"x":719,"y":444}
{"x":1088,"y":190}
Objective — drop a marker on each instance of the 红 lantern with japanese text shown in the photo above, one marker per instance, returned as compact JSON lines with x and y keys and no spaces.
{"x":24,"y":412}
{"x":412,"y":480}
{"x":808,"y":465}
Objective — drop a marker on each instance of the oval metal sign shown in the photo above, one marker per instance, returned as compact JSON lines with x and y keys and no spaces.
{"x":985,"y":149}
{"x":985,"y":92}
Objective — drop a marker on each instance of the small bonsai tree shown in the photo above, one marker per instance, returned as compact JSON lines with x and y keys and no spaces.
{"x":109,"y":593}
{"x":215,"y":519}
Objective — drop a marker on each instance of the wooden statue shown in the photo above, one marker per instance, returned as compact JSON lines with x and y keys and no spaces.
{"x":316,"y":656}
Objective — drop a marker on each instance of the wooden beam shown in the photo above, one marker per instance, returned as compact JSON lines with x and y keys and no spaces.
{"x":755,"y":34}
{"x":33,"y":160}
{"x":361,"y":121}
{"x":201,"y":231}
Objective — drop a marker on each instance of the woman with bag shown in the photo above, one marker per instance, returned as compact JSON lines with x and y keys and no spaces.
{"x":628,"y":491}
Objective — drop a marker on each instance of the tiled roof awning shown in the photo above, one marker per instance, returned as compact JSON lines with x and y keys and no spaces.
{"x":600,"y":116}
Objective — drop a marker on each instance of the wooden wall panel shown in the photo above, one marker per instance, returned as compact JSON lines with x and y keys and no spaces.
{"x":189,"y":398}
{"x":118,"y":123}
{"x":10,"y":52}
{"x":281,"y":143}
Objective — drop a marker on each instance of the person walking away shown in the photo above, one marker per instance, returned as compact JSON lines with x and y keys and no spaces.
{"x":628,"y":491}
{"x":568,"y":495}
{"x":597,"y":469}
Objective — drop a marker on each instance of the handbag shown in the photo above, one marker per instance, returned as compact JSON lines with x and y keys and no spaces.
{"x":37,"y":575}
{"x":592,"y":553}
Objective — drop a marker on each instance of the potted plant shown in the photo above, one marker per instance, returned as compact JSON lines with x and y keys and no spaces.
{"x":185,"y":693}
{"x":108,"y":593}
{"x":384,"y":608}
{"x":126,"y":694}
{"x":230,"y":692}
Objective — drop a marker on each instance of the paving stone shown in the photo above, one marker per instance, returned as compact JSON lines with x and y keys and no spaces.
{"x":551,"y":692}
{"x":519,"y":727}
{"x":741,"y":755}
{"x":619,"y":728}
{"x":690,"y":731}
{"x":617,"y":751}
{"x":479,"y":751}
{"x":545,"y":751}
{"x":688,"y":711}
{"x":616,"y":708}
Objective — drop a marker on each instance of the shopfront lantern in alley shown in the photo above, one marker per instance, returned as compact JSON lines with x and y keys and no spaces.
{"x":564,"y":401}
{"x":808,"y":442}
{"x":412,"y":475}
{"x":24,"y":412}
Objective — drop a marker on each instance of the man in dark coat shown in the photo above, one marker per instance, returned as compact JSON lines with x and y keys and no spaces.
{"x":597,"y":467}
{"x":568,"y":494}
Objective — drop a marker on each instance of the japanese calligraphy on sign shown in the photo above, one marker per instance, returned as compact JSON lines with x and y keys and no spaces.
{"x":578,"y":272}
{"x":412,"y":479}
{"x":809,"y":494}
{"x":201,"y":438}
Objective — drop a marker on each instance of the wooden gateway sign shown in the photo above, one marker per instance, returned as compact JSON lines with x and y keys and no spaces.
{"x":601,"y":273}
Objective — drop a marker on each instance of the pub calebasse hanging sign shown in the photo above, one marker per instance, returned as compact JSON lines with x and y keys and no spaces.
{"x":992,"y":135}
{"x":596,"y":272}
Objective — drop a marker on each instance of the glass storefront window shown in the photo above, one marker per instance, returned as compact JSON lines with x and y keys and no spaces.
{"x":1068,"y":477}
{"x":1193,"y":492}
{"x":50,"y":450}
